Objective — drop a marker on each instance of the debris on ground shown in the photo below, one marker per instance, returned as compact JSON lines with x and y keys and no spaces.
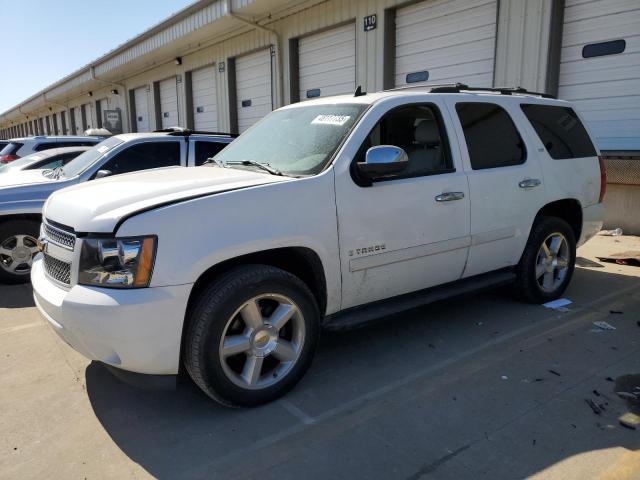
{"x":631,"y":257}
{"x":596,"y":408}
{"x":504,"y":377}
{"x":630,"y":420}
{"x":615,"y":312}
{"x":602,"y":325}
{"x":627,"y":396}
{"x":616,"y":232}
{"x":554,"y":372}
{"x":558,"y":304}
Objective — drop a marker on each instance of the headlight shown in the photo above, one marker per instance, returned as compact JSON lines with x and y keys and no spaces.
{"x":117,"y":262}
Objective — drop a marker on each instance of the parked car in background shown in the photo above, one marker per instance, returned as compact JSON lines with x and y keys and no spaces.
{"x":23,"y":193}
{"x":46,"y":159}
{"x":20,"y":147}
{"x":3,"y":143}
{"x":327,"y":213}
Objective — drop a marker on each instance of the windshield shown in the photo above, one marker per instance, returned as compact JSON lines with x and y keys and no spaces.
{"x":295,"y":141}
{"x":83,"y":161}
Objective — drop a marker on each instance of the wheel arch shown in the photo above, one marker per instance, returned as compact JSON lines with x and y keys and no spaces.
{"x":36,"y":217}
{"x":568,"y":209}
{"x":302,"y":262}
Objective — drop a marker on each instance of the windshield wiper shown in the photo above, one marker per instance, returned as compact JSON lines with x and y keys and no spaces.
{"x":211,"y":160}
{"x":264,"y":166}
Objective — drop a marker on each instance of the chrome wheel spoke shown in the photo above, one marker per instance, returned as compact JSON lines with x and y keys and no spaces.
{"x":547,"y":280}
{"x":540,"y":270}
{"x":545,"y":249}
{"x":235,"y":344}
{"x":20,"y":240}
{"x":281,"y":315}
{"x":285,"y":351}
{"x":562,"y":263}
{"x":252,"y":369}
{"x":5,"y":251}
{"x":556,"y":243}
{"x":251,"y":314}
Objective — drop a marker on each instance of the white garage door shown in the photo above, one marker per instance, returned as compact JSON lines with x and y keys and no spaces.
{"x":446,"y":41}
{"x":169,"y":103}
{"x":253,"y":87}
{"x":605,"y":86}
{"x":205,"y":104}
{"x":328,"y":63}
{"x":141,"y":100}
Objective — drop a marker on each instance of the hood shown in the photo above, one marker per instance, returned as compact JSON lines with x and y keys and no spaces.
{"x":14,"y":178}
{"x":98,"y":206}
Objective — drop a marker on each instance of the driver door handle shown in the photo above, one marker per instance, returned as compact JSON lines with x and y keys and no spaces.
{"x":449,"y":196}
{"x":529,"y":183}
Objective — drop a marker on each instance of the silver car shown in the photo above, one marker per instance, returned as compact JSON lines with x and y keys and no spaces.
{"x":45,"y":160}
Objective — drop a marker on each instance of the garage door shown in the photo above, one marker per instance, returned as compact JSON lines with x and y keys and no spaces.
{"x":169,"y":103}
{"x":600,"y":69}
{"x":141,"y":103}
{"x":205,"y":104}
{"x":327,"y":63}
{"x":446,"y":41}
{"x":253,"y":88}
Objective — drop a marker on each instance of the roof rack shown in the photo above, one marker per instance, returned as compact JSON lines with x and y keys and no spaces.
{"x":179,"y":131}
{"x":458,"y":87}
{"x":461,"y":87}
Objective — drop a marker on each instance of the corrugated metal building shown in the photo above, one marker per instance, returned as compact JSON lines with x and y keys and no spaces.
{"x":222,"y":65}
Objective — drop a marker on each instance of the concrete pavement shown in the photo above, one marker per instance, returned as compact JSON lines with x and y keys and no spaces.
{"x":475,"y":387}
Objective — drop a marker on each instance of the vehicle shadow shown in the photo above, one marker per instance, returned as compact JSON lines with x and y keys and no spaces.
{"x":183,"y":434}
{"x":16,"y":296}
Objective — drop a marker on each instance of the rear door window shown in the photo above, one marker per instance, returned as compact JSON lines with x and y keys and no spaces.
{"x":11,"y":149}
{"x":560,"y":130}
{"x":45,"y":146}
{"x":207,"y":150}
{"x":144,"y":156}
{"x":491,"y":136}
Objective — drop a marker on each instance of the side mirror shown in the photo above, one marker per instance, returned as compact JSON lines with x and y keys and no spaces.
{"x":103,"y":173}
{"x":382,"y":161}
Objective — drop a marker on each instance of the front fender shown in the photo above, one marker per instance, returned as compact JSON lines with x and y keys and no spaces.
{"x":21,"y":207}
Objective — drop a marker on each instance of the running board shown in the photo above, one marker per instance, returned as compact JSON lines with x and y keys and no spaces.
{"x":362,"y":315}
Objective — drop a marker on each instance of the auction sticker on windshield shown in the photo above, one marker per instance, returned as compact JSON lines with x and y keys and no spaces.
{"x":337,"y":120}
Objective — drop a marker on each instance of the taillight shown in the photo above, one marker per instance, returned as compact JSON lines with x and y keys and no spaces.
{"x":7,"y":158}
{"x":603,"y":179}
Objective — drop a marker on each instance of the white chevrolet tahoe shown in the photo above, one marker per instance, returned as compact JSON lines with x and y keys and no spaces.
{"x":327,"y":213}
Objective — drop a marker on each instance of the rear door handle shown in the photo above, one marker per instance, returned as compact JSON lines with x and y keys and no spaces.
{"x":529,"y":183}
{"x":449,"y":196}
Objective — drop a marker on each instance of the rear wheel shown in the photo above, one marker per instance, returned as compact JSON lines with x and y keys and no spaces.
{"x":252,"y":336}
{"x":18,"y":246}
{"x":547,"y":264}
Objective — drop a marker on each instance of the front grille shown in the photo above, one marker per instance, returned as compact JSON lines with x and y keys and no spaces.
{"x":57,"y":269}
{"x":60,"y":237}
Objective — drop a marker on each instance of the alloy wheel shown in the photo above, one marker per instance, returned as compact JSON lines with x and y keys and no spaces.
{"x":552,"y":262}
{"x":16,"y":254}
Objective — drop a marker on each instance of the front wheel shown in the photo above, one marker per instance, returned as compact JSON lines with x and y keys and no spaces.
{"x":18,"y":246}
{"x":547,"y":264}
{"x":251,"y":336}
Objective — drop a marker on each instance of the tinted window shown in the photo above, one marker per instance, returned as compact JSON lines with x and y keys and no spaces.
{"x":207,"y":150}
{"x":560,"y":130}
{"x":85,"y":160}
{"x":416,"y":129}
{"x":45,"y":146}
{"x":11,"y":148}
{"x":492,"y":138}
{"x":144,"y":156}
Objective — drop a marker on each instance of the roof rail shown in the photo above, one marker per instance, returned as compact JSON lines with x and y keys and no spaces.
{"x":458,"y":87}
{"x":180,"y":131}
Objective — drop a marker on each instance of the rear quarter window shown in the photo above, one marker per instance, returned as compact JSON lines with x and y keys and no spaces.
{"x":11,"y":149}
{"x":560,"y":130}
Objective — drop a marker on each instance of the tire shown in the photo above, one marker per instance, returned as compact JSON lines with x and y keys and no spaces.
{"x":18,"y":246}
{"x":224,"y":315}
{"x":530,"y":285}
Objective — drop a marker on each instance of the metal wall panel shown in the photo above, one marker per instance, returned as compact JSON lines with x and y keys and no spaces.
{"x":205,"y":101}
{"x":605,"y":89}
{"x":452,"y":40}
{"x":327,"y":62}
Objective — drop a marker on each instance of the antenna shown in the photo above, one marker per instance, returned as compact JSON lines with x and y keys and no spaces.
{"x":359,"y":92}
